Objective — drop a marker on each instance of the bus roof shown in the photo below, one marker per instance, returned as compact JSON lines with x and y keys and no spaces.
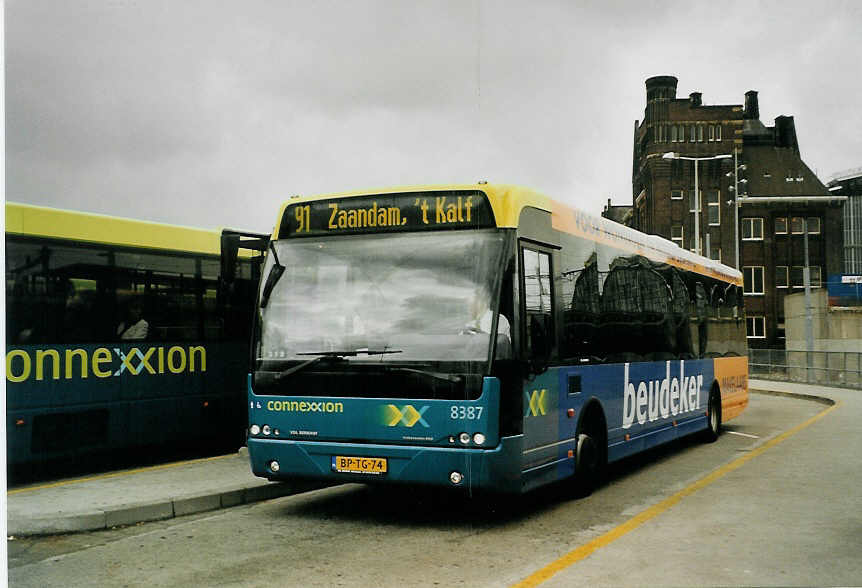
{"x":507,"y":202}
{"x":53,"y":223}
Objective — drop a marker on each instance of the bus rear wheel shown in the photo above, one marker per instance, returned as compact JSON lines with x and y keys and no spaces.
{"x":713,"y":417}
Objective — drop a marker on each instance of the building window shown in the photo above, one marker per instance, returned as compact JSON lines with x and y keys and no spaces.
{"x":692,"y":133}
{"x":752,"y":278}
{"x":718,"y":133}
{"x":677,"y":194}
{"x":711,"y":133}
{"x":692,"y":201}
{"x":673,"y":134}
{"x":752,"y":229}
{"x":700,"y":133}
{"x":756,"y":327}
{"x":797,"y":227}
{"x":781,"y":225}
{"x":814,"y":274}
{"x":676,"y":234}
{"x":781,"y":276}
{"x":713,"y":207}
{"x":715,"y":253}
{"x":797,"y":276}
{"x":813,"y":225}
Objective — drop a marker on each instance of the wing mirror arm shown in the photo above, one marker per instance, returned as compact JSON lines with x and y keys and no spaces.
{"x":272,"y":278}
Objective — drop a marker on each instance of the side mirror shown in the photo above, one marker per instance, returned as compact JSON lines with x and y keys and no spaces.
{"x":229,"y":252}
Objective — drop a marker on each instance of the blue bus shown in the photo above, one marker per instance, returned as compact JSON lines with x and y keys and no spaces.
{"x":120,"y":335}
{"x":482,"y":337}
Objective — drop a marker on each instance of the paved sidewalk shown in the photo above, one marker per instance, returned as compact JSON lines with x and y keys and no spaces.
{"x":138,"y":495}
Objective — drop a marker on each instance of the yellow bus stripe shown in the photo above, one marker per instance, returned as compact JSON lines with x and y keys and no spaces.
{"x":118,"y":474}
{"x":633,"y":523}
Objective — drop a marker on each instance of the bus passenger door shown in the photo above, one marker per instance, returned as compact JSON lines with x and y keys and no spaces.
{"x":541,"y":389}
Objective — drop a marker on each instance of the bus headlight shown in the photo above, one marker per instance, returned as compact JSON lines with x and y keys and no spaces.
{"x":273,"y":465}
{"x":464,"y":438}
{"x":254,"y":430}
{"x":456,"y":478}
{"x":478,"y":438}
{"x":265,"y":430}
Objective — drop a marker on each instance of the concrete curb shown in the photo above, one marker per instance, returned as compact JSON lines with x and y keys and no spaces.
{"x":800,"y":395}
{"x":130,"y":514}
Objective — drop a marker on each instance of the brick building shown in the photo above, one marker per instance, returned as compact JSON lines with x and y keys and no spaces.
{"x":618,"y":213}
{"x":779,"y":196}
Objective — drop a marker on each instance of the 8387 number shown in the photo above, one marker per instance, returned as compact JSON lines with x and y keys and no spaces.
{"x":468,"y":413}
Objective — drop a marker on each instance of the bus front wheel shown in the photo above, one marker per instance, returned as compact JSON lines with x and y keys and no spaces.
{"x":587,"y":466}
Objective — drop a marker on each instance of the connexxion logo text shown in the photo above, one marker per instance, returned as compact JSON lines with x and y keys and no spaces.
{"x":22,"y":365}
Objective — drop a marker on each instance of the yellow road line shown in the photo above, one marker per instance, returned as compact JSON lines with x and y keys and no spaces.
{"x":118,"y":474}
{"x":633,"y":523}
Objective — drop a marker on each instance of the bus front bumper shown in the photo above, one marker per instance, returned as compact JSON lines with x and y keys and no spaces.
{"x":497,"y":469}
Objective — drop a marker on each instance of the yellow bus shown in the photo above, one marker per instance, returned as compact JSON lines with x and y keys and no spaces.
{"x":119,"y":336}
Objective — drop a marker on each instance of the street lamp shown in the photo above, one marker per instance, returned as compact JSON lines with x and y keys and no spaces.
{"x":735,"y":188}
{"x":672,"y":155}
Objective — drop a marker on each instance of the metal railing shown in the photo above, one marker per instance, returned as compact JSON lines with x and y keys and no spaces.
{"x":832,"y":368}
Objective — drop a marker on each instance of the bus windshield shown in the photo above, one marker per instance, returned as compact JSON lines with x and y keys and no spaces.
{"x":408,"y":296}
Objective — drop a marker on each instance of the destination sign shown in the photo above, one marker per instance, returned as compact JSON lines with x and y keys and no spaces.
{"x":379,"y":213}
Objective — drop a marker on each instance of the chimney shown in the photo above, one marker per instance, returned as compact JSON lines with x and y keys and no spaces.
{"x":785,"y":133}
{"x":752,"y":110}
{"x":661,"y":87}
{"x":695,"y":98}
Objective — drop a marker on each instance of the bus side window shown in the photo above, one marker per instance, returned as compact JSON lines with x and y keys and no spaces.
{"x":57,"y":293}
{"x":700,"y":313}
{"x":538,"y":304}
{"x":682,"y":342}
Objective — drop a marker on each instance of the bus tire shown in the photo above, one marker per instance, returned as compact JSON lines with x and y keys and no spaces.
{"x":713,"y":418}
{"x":587,"y":466}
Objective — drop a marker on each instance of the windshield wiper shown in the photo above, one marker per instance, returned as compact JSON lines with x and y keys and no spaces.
{"x":354,"y":353}
{"x":436,"y":375}
{"x":331,"y":355}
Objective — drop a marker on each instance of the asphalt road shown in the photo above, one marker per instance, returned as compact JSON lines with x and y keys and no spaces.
{"x":780,"y":511}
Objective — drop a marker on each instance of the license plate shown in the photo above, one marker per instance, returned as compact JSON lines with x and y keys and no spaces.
{"x":359,"y":465}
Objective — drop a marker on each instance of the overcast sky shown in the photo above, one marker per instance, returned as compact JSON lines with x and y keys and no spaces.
{"x":212,"y":113}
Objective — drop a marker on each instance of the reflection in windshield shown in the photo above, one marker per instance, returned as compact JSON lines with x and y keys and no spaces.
{"x":418,"y":293}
